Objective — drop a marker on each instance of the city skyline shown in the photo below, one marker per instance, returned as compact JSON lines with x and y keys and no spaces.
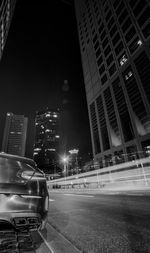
{"x":38,"y":72}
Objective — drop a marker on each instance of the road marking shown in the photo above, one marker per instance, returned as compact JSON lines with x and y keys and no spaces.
{"x":79,"y":195}
{"x":123,"y":193}
{"x":47,"y":244}
{"x":135,"y":194}
{"x":51,"y":200}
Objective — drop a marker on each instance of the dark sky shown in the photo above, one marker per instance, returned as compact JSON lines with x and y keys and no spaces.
{"x":42,"y":50}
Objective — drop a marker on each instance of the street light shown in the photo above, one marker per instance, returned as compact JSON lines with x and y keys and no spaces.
{"x":65,"y":160}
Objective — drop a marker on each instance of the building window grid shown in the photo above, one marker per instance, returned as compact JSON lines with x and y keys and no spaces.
{"x":108,"y":51}
{"x":95,"y":129}
{"x":130,"y":34}
{"x":145,"y":27}
{"x":123,"y":111}
{"x":142,"y":64}
{"x":99,"y":56}
{"x":111,"y":33}
{"x":134,"y":94}
{"x":120,"y":46}
{"x":105,"y":2}
{"x":101,"y":64}
{"x":103,"y":124}
{"x":111,"y":112}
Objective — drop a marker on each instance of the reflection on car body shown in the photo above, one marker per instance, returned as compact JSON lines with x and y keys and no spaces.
{"x":24,"y":197}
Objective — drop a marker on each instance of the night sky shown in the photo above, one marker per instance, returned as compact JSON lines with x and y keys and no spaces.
{"x":42,"y":50}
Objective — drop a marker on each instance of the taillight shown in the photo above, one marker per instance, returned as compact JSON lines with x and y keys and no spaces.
{"x":46,"y":203}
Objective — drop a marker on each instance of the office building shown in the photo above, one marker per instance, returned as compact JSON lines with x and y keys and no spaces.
{"x":47,"y":138}
{"x":114,"y":40}
{"x":14,"y":138}
{"x":6,"y":13}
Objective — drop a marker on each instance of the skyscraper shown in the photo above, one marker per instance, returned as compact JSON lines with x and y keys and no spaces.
{"x":114,"y":40}
{"x":6,"y":12}
{"x":46,"y":146}
{"x":14,"y":138}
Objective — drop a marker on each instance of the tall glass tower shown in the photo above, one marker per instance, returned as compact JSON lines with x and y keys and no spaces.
{"x":6,"y":13}
{"x":46,"y":145}
{"x":15,"y":132}
{"x":114,"y":40}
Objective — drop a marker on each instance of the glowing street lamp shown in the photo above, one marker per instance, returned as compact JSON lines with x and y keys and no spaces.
{"x":65,"y":160}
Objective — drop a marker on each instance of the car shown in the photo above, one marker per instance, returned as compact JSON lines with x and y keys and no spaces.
{"x":24,"y":198}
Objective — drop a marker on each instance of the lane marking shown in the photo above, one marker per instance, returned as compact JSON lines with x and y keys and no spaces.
{"x":79,"y":195}
{"x":125,"y":193}
{"x":135,"y":194}
{"x":47,"y":244}
{"x":51,"y":200}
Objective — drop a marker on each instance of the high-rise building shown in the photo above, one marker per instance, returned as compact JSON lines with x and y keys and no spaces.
{"x":115,"y":48}
{"x":46,"y":145}
{"x":14,"y":138}
{"x":73,"y":162}
{"x":6,"y":12}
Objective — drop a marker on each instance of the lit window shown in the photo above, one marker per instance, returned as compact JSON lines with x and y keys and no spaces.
{"x":47,"y":115}
{"x":51,"y":149}
{"x":47,"y":130}
{"x":55,"y":116}
{"x":57,"y":136}
{"x":139,"y":42}
{"x":37,"y":149}
{"x":123,"y":59}
{"x":128,"y":75}
{"x":35,"y":153}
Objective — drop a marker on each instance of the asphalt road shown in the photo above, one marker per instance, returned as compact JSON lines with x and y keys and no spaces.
{"x":103,"y":223}
{"x":88,"y":223}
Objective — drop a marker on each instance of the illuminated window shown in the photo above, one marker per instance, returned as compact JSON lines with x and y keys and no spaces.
{"x":47,"y":115}
{"x":55,"y":116}
{"x":123,"y":59}
{"x":47,"y":130}
{"x":128,"y":75}
{"x":139,"y":42}
{"x":57,"y":136}
{"x":136,"y":43}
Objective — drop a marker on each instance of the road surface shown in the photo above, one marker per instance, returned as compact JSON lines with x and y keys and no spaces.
{"x":90,"y":223}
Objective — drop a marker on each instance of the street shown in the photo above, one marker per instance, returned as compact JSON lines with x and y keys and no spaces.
{"x":80,"y":222}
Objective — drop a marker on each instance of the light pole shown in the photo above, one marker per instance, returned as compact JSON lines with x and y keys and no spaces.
{"x":65,"y":160}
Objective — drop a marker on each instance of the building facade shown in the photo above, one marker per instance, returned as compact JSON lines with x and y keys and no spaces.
{"x":46,"y":145}
{"x":15,"y":132}
{"x":114,"y":40}
{"x":6,"y":13}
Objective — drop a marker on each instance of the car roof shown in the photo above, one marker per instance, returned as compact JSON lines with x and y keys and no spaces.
{"x":18,"y":158}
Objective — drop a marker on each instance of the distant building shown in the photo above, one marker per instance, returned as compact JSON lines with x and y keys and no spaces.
{"x":6,"y":12}
{"x":14,"y":138}
{"x":73,"y":162}
{"x":114,"y":40}
{"x":47,"y":138}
